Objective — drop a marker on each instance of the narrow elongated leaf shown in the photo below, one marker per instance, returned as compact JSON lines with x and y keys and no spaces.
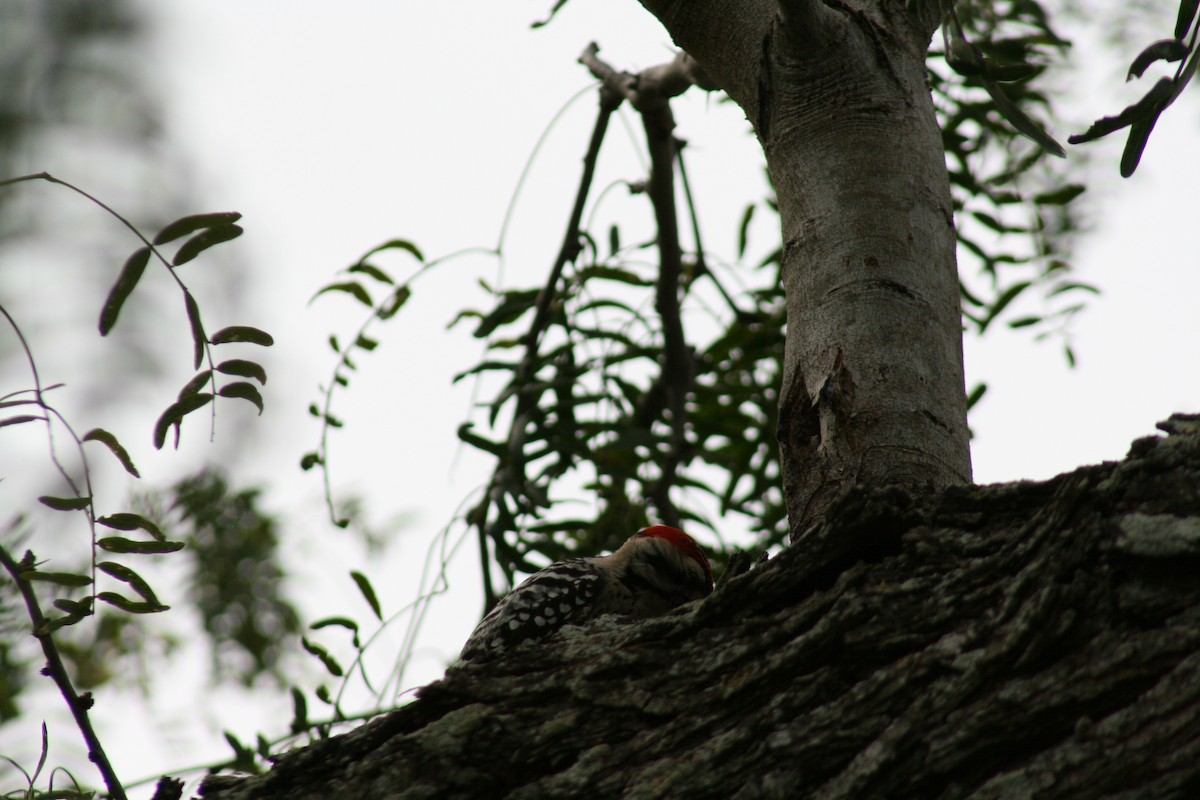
{"x":198,"y":339}
{"x":80,"y":607}
{"x":1162,"y":50}
{"x":1153,"y":102}
{"x":125,"y":575}
{"x":368,"y":592}
{"x":243,"y":369}
{"x":65,"y":503}
{"x":394,"y":303}
{"x":1060,"y":197}
{"x":242,"y":333}
{"x":395,"y":244}
{"x":132,"y":606}
{"x":194,"y":385}
{"x":175,"y":414}
{"x":351,"y":288}
{"x":744,"y":230}
{"x":336,"y":622}
{"x":245,"y":391}
{"x":194,"y":222}
{"x":19,"y":420}
{"x":125,"y":521}
{"x":1135,"y":145}
{"x":299,"y":711}
{"x":1022,"y":121}
{"x":1002,"y":302}
{"x":131,"y":273}
{"x":374,"y":271}
{"x":108,"y":440}
{"x":331,"y":664}
{"x":209,"y":237}
{"x":119,"y":544}
{"x":1187,"y":12}
{"x":60,"y":578}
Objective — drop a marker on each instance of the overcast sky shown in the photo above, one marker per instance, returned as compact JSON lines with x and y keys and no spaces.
{"x":334,"y":131}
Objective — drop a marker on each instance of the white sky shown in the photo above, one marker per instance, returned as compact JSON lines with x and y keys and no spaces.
{"x":334,"y":131}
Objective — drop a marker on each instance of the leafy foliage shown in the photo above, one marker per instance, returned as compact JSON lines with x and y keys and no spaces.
{"x":237,"y":582}
{"x":1140,"y":117}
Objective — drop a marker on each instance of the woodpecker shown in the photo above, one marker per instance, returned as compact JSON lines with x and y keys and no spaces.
{"x":657,"y":569}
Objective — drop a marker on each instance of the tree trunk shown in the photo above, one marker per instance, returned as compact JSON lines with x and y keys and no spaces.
{"x":873,"y":390}
{"x":1013,"y":641}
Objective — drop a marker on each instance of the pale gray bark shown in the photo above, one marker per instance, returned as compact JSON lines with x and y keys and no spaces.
{"x":873,"y":388}
{"x":1013,"y":641}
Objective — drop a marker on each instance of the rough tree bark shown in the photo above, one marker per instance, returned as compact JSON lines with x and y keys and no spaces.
{"x":837,"y":92}
{"x":1012,"y":641}
{"x":921,"y":638}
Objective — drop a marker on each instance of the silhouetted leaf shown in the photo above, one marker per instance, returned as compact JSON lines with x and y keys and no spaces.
{"x":125,"y":521}
{"x":1162,"y":50}
{"x":1139,"y":134}
{"x":331,"y":664}
{"x":242,"y":333}
{"x":194,"y":385}
{"x":119,"y":544}
{"x":132,"y":606}
{"x":395,"y":244}
{"x":299,"y":711}
{"x":131,"y":273}
{"x":205,"y":239}
{"x":368,"y":592}
{"x":245,"y":391}
{"x":1022,"y":121}
{"x":20,"y":420}
{"x":374,"y":271}
{"x":243,"y":369}
{"x":193,"y":314}
{"x":1152,"y":103}
{"x":309,"y":460}
{"x":744,"y":229}
{"x":128,"y":576}
{"x":394,"y":302}
{"x":1183,"y":22}
{"x":194,"y":222}
{"x":60,"y":578}
{"x":175,"y":414}
{"x":351,"y":288}
{"x":65,"y":503}
{"x":108,"y":440}
{"x":1060,"y":197}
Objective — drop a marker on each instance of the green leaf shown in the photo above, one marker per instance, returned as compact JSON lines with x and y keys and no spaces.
{"x":243,"y":369}
{"x":1008,"y":73}
{"x":351,"y":288}
{"x":475,"y":440}
{"x":1162,"y":50}
{"x":242,"y":333}
{"x":65,"y":503}
{"x":1060,"y":197}
{"x":368,"y":592}
{"x":210,"y":237}
{"x":309,"y":460}
{"x":299,"y":711}
{"x":336,"y":622}
{"x":395,"y":244}
{"x":374,"y":271}
{"x":125,"y":521}
{"x":1002,"y":302}
{"x":614,"y":239}
{"x":119,"y":544}
{"x":244,"y":391}
{"x":1024,"y":322}
{"x":1022,"y":121}
{"x":108,"y":440}
{"x":744,"y":230}
{"x":125,"y":575}
{"x":59,"y":578}
{"x":131,"y":273}
{"x":80,"y":608}
{"x":193,"y":315}
{"x":194,"y":222}
{"x":331,"y":664}
{"x":176,"y":412}
{"x":394,"y":302}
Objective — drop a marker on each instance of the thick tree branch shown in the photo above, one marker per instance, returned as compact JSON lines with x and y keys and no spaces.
{"x":1031,"y":639}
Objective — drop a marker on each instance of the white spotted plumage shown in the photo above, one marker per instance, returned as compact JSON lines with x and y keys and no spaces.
{"x":656,"y":570}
